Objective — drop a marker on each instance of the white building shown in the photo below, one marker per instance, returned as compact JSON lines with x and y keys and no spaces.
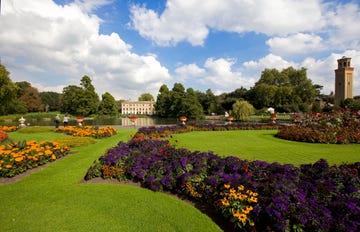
{"x":138,"y":107}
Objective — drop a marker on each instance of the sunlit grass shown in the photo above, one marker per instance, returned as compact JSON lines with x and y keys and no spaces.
{"x":263,"y":145}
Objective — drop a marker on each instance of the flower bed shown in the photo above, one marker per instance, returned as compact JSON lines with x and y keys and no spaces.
{"x":3,"y":135}
{"x":339,"y":127}
{"x":253,"y":195}
{"x":16,"y":158}
{"x":88,"y":131}
{"x":8,"y":128}
{"x":165,"y":131}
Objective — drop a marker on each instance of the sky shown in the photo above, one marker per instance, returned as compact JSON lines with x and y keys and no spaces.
{"x":130,"y":47}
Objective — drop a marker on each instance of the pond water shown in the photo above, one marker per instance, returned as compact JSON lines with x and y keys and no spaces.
{"x":139,"y":122}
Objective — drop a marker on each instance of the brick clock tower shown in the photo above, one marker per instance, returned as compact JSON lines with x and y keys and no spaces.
{"x":343,"y":80}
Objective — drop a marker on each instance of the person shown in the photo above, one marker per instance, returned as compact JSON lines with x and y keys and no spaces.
{"x":66,"y":120}
{"x":57,"y":121}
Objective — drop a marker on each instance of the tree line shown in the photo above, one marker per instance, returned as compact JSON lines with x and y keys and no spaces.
{"x":288,"y":90}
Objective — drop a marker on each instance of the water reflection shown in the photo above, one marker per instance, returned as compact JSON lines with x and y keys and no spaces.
{"x":113,"y":121}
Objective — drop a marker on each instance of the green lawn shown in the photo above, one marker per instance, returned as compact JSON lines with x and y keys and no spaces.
{"x":53,"y":199}
{"x":262,"y":145}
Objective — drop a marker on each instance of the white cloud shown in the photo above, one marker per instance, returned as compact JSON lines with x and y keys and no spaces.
{"x":65,"y":41}
{"x":299,"y":43}
{"x":190,"y":20}
{"x":216,"y":74}
{"x":269,"y":61}
{"x":343,"y":26}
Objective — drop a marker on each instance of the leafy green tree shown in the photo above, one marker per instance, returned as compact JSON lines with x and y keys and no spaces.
{"x":162,"y":104}
{"x":177,"y":95}
{"x":89,"y":100}
{"x":107,"y":105}
{"x":190,"y":106}
{"x":70,"y":99}
{"x":50,"y":101}
{"x":80,"y":101}
{"x":289,"y":89}
{"x":9,"y":102}
{"x":146,"y":97}
{"x":241,"y":110}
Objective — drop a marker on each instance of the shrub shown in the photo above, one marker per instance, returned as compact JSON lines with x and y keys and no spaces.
{"x":8,"y":128}
{"x":3,"y":135}
{"x":341,"y":127}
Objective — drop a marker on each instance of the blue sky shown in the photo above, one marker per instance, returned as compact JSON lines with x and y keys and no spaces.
{"x":132,"y":47}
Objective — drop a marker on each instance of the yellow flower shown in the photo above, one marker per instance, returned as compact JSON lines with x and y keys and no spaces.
{"x":226,"y":186}
{"x":241,"y":187}
{"x":225,"y":202}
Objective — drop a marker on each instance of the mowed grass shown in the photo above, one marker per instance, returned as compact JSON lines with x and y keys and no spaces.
{"x":54,"y":199}
{"x":263,"y":145}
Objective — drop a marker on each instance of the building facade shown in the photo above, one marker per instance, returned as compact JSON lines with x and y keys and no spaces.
{"x":343,"y":80}
{"x":138,"y":107}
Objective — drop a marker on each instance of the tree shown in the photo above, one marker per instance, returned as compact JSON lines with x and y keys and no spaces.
{"x":89,"y":100}
{"x":32,"y":99}
{"x":50,"y":101}
{"x":190,"y":106}
{"x":146,"y":97}
{"x":162,"y":104}
{"x":241,"y":110}
{"x":70,"y":99}
{"x":107,"y":105}
{"x":287,"y":90}
{"x":9,"y":102}
{"x":80,"y":101}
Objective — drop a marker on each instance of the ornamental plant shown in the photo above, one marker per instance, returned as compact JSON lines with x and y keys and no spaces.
{"x":18,"y":157}
{"x":3,"y":135}
{"x":88,"y":131}
{"x":275,"y":197}
{"x":337,"y":127}
{"x":166,"y":131}
{"x":8,"y":128}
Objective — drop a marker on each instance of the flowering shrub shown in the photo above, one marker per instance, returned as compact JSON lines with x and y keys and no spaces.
{"x":165,"y":131}
{"x":236,"y":204}
{"x":339,"y":127}
{"x":254,"y":195}
{"x":88,"y":131}
{"x":8,"y":128}
{"x":16,"y":158}
{"x":3,"y":135}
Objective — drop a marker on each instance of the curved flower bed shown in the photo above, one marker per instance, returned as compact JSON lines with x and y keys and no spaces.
{"x":3,"y":135}
{"x":8,"y":128}
{"x":165,"y":131}
{"x":18,"y":157}
{"x":88,"y":131}
{"x":339,"y":127}
{"x":255,"y":196}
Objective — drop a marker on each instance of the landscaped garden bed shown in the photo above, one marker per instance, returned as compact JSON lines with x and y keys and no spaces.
{"x":253,"y":195}
{"x":18,"y":157}
{"x":338,"y":127}
{"x":88,"y":131}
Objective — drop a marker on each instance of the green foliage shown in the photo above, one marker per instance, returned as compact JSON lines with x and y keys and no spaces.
{"x":146,"y":97}
{"x":80,"y":101}
{"x":77,"y":141}
{"x":242,"y":110}
{"x":289,"y":89}
{"x":50,"y":101}
{"x":9,"y":103}
{"x":107,"y":105}
{"x":177,"y":102}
